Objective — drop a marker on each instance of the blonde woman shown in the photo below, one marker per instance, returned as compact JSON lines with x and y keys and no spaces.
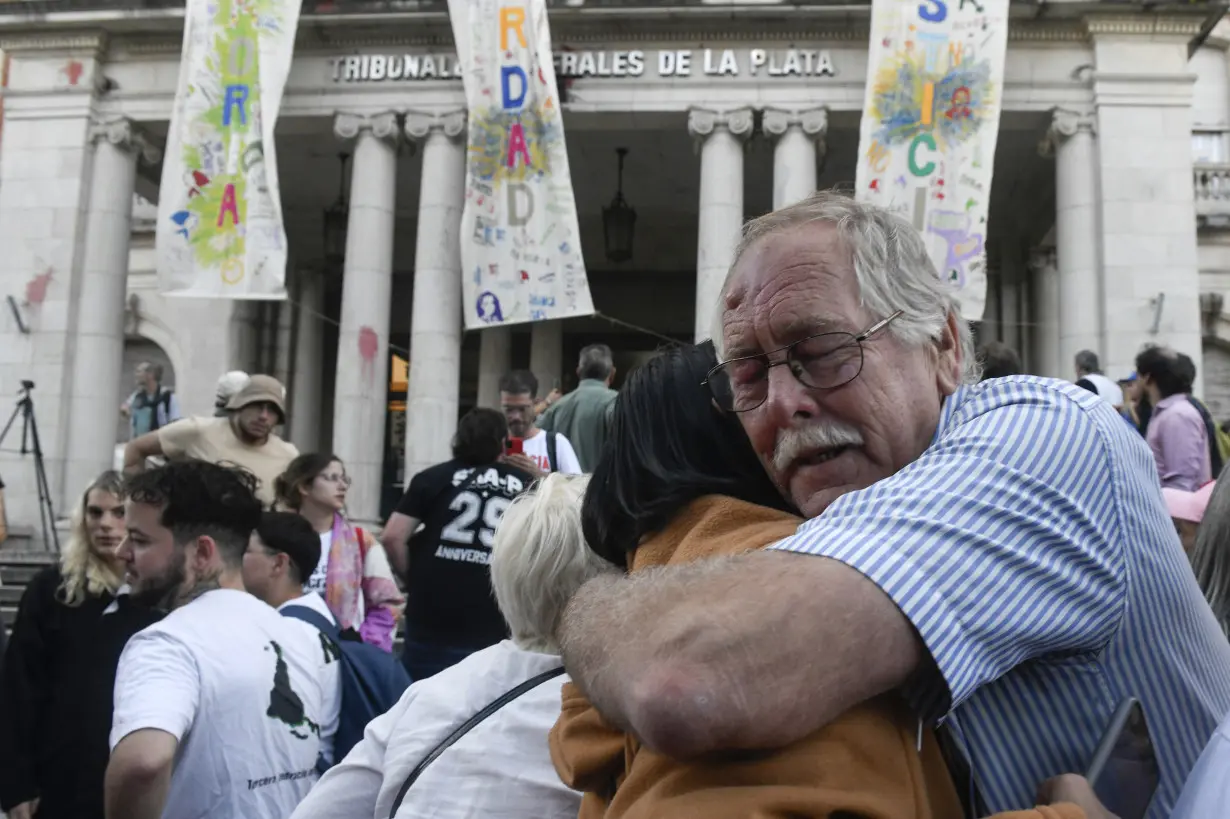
{"x":59,"y":669}
{"x":353,"y":574}
{"x":404,"y":767}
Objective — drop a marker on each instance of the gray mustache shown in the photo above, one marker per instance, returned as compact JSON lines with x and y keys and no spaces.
{"x":794,"y":441}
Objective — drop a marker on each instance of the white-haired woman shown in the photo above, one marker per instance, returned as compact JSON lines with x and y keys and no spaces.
{"x":499,"y":765}
{"x":59,"y":669}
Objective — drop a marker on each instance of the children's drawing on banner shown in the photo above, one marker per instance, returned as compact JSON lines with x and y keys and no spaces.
{"x":934,"y":90}
{"x":220,"y":231}
{"x":519,"y":231}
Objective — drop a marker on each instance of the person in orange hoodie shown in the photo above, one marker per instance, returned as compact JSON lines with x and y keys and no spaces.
{"x":679,"y":483}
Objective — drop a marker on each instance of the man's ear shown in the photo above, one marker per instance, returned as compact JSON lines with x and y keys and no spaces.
{"x":949,"y":363}
{"x":202,"y":553}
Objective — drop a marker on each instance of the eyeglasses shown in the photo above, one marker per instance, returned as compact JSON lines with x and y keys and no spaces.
{"x":821,"y":362}
{"x":343,"y":479}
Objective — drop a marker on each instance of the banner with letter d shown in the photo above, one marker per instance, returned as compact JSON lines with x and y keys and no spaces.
{"x":520,"y":242}
{"x":220,"y":230}
{"x":935,"y":78}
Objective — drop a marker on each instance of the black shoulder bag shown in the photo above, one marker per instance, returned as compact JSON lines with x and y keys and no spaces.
{"x":466,"y":727}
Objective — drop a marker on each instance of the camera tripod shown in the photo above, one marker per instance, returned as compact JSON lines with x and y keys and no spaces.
{"x":30,"y":444}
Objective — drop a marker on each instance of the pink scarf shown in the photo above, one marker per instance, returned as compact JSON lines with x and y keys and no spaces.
{"x":351,"y":593}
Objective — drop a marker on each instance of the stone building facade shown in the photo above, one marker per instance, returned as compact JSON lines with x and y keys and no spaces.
{"x":1109,"y":228}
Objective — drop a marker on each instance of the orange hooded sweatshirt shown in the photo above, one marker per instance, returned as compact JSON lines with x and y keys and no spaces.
{"x":866,"y":763}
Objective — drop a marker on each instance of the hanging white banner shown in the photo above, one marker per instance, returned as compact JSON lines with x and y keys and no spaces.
{"x":220,"y":232}
{"x":520,"y":243}
{"x":935,"y":79}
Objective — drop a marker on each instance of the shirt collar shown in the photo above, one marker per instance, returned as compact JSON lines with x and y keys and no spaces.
{"x":114,"y":605}
{"x":592,"y":382}
{"x":1171,"y":400}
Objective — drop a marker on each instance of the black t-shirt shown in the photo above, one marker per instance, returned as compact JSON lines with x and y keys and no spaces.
{"x":448,"y":590}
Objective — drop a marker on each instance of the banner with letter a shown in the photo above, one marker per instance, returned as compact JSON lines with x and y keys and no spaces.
{"x":520,"y":243}
{"x":220,"y":232}
{"x":935,"y":79}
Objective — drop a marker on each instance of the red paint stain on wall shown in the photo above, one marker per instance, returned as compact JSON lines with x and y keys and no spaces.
{"x":73,"y":71}
{"x":36,"y":288}
{"x":369,"y":345}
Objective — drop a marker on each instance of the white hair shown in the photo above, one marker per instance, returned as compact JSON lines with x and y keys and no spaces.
{"x":539,"y":559}
{"x":891,"y":264}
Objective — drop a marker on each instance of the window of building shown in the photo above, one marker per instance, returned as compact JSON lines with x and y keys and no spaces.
{"x":1209,"y":146}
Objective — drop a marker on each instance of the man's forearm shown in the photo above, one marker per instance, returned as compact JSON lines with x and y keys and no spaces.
{"x":754,"y":651}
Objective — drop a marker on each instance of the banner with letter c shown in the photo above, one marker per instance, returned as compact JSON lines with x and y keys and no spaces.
{"x":935,"y":78}
{"x":220,"y":232}
{"x":520,"y":241}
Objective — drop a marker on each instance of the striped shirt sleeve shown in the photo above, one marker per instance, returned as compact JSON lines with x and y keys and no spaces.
{"x":999,"y":543}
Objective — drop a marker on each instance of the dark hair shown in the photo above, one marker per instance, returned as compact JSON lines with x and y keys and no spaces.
{"x":999,"y":360}
{"x":520,"y":382}
{"x":292,"y":534}
{"x":595,"y":362}
{"x":1185,"y":367}
{"x":668,"y":445}
{"x":480,"y":437}
{"x":1164,"y":367}
{"x":299,"y":473}
{"x":201,"y":498}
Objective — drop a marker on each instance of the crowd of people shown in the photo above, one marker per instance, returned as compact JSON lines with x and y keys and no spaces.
{"x":876,"y":581}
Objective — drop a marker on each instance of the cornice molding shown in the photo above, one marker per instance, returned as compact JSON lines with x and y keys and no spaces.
{"x":1141,"y":24}
{"x":18,"y":44}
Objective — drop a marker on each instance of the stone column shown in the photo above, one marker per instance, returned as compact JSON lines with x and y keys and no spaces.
{"x":99,"y":383}
{"x":1009,"y":311}
{"x":1047,"y":358}
{"x":1081,"y":297}
{"x":360,"y":404}
{"x":547,"y":354}
{"x":494,"y":360}
{"x":1142,"y":90}
{"x":720,"y":135}
{"x":991,"y":318}
{"x":435,"y":322}
{"x":305,"y":406}
{"x":799,"y":134}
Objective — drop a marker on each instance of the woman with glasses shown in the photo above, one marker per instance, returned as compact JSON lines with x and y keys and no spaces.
{"x":353,"y":574}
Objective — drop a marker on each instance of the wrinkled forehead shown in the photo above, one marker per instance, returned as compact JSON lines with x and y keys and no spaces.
{"x":788,"y":285}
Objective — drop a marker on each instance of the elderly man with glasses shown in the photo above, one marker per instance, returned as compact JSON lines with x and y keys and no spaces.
{"x":998,"y":552}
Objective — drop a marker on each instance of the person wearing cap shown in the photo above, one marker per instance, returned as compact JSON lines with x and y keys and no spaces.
{"x":244,"y":437}
{"x":281,"y":555}
{"x":1187,"y":511}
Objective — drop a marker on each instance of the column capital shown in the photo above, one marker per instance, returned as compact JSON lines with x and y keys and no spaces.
{"x":704,"y":121}
{"x":419,"y":124}
{"x":382,"y":126}
{"x":1042,"y":258}
{"x":126,"y":135}
{"x":814,"y":121}
{"x":1065,"y":123}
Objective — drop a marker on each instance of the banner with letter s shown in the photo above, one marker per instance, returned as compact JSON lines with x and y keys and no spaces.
{"x":220,"y":231}
{"x":520,"y":241}
{"x":935,"y":78}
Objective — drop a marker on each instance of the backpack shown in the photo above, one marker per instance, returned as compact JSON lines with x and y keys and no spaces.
{"x":372,"y":680}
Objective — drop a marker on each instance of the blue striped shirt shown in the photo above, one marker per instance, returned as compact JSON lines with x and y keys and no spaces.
{"x":1030,"y":547}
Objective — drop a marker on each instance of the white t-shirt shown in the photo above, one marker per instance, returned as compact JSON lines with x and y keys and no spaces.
{"x":239,"y":686}
{"x":500,"y":768}
{"x":331,"y":675}
{"x":1108,"y":389}
{"x":316,"y":583}
{"x":566,"y":457}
